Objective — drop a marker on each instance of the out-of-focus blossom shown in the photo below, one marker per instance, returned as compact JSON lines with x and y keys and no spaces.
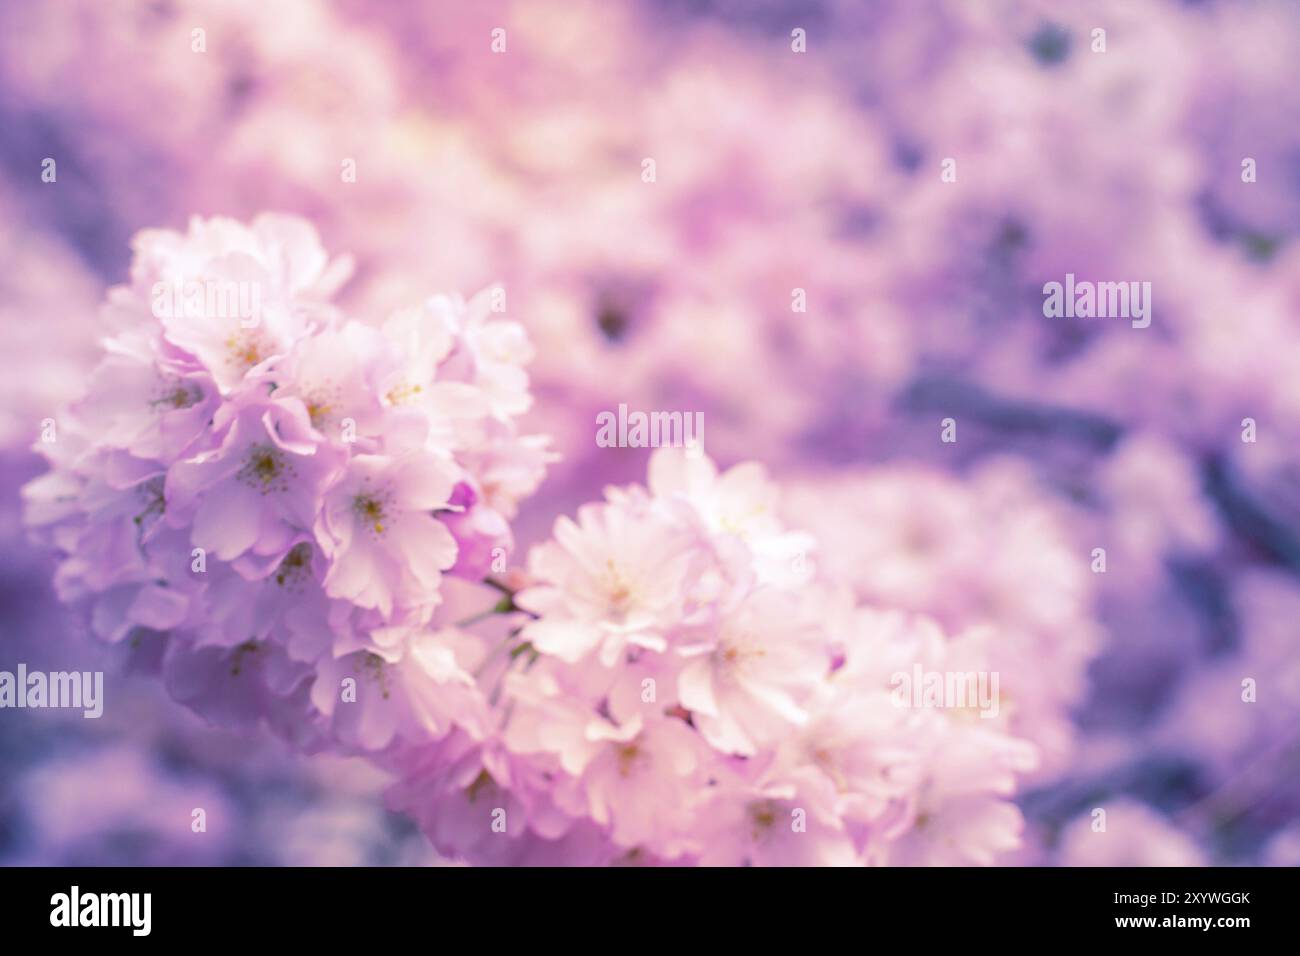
{"x":989,"y":550}
{"x":81,"y":810}
{"x":1130,"y":834}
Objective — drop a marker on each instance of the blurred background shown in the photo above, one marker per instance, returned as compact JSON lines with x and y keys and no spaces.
{"x":798,"y":147}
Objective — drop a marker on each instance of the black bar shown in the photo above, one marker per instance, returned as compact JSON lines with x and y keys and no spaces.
{"x":432,"y":907}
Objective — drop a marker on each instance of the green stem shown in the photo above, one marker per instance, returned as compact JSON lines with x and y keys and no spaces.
{"x":507,"y":603}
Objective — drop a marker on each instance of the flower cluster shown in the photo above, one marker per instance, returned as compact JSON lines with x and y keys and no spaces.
{"x":683,"y":690}
{"x":990,"y":550}
{"x":272,"y":501}
{"x":264,"y":495}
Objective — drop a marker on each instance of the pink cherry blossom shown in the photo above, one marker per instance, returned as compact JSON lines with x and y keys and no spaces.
{"x":257,"y":493}
{"x":379,"y":534}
